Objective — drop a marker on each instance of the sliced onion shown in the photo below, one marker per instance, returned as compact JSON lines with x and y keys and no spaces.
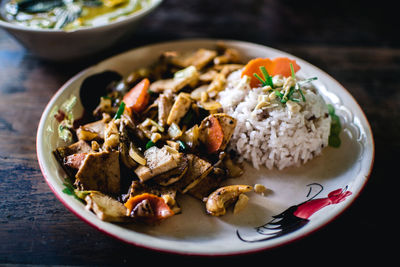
{"x":136,"y":155}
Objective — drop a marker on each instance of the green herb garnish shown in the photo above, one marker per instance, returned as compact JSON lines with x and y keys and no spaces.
{"x":120,"y":110}
{"x":267,"y":81}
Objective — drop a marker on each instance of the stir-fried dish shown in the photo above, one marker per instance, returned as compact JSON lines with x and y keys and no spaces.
{"x":155,"y":134}
{"x":68,"y":14}
{"x":181,"y":125}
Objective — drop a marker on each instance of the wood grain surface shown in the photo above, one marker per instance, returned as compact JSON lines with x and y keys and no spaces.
{"x":353,"y":41}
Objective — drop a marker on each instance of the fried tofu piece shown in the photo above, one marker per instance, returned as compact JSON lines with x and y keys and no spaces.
{"x":100,"y":171}
{"x":180,"y":107}
{"x":164,"y":108}
{"x":157,"y":161}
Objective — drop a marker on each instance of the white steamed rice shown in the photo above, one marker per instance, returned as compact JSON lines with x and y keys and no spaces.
{"x":276,"y":137}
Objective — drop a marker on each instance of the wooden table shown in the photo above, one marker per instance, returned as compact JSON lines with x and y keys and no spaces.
{"x":353,"y":42}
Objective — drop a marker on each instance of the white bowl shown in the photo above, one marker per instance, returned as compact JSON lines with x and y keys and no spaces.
{"x":62,"y":45}
{"x":320,"y":190}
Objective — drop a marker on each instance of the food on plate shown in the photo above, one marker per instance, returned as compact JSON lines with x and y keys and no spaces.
{"x":68,"y":14}
{"x":182,"y":126}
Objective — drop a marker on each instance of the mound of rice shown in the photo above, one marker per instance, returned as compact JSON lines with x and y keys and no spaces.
{"x":276,"y":136}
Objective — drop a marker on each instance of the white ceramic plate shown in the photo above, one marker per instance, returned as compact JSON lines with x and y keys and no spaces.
{"x":311,"y":195}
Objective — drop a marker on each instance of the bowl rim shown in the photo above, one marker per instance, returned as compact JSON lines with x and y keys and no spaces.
{"x":122,"y":20}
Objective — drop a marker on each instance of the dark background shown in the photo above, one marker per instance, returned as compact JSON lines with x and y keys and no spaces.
{"x":356,"y":42}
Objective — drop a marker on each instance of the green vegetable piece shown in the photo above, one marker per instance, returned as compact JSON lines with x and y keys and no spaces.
{"x":70,"y":190}
{"x":334,"y":141}
{"x":336,"y":128}
{"x":150,"y":144}
{"x":120,"y":110}
{"x":331,"y":109}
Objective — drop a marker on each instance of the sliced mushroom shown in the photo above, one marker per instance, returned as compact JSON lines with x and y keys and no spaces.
{"x":106,"y":208}
{"x":188,"y":76}
{"x":124,"y":147}
{"x":199,"y":59}
{"x":207,"y":185}
{"x":94,"y":130}
{"x":220,"y":199}
{"x":198,"y":169}
{"x":230,"y":55}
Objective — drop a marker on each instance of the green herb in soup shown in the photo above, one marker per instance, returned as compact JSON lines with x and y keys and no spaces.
{"x":69,"y":14}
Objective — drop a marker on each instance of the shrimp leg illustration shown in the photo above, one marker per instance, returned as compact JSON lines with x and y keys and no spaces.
{"x":297,"y":216}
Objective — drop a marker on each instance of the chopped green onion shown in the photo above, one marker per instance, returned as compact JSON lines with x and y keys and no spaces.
{"x":277,"y":93}
{"x":302,"y":96}
{"x":120,"y":110}
{"x":150,"y":144}
{"x":307,"y":80}
{"x":182,"y":146}
{"x":291,"y":91}
{"x":292,"y":70}
{"x":267,"y":77}
{"x":260,"y":79}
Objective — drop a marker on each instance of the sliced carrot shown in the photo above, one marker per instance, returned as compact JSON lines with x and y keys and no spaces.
{"x":160,"y":209}
{"x":138,"y":97}
{"x":279,"y":65}
{"x":282,"y":66}
{"x":215,"y":135}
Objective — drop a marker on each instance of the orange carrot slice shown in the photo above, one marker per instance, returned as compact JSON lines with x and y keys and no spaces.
{"x":279,"y":65}
{"x":160,"y":209}
{"x":138,"y":97}
{"x":215,"y":135}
